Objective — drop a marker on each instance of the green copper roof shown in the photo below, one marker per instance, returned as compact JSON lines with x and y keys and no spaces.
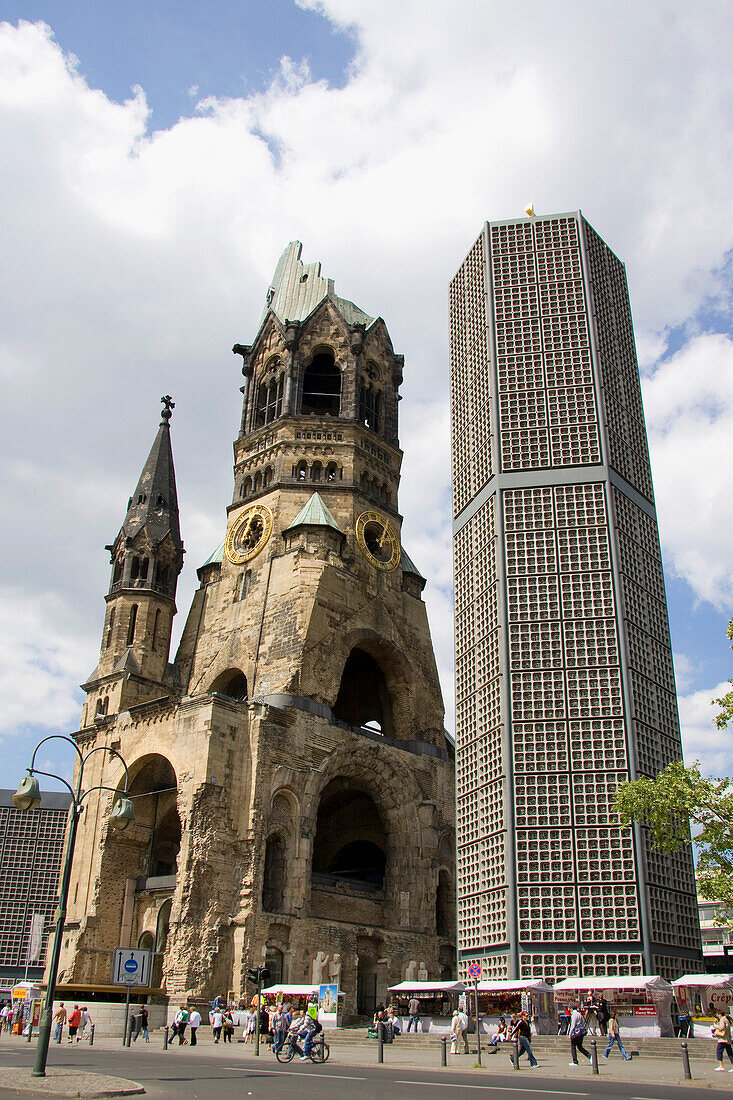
{"x":297,"y":288}
{"x":217,"y":556}
{"x":408,"y":566}
{"x":315,"y":512}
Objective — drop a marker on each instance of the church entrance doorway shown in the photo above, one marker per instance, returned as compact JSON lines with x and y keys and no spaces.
{"x":366,"y":987}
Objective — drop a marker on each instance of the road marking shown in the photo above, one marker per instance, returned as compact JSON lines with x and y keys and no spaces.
{"x":500,"y":1088}
{"x":300,"y":1072}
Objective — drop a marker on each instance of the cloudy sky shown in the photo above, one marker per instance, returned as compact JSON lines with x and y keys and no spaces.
{"x":157,"y":157}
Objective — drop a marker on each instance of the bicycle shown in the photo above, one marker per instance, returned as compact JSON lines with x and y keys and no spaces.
{"x":319,"y":1051}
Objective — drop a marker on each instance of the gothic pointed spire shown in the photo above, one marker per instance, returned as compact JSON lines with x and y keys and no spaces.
{"x":154,"y":504}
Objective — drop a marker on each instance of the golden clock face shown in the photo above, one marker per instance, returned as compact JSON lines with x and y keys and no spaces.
{"x":378,"y":541}
{"x":248,"y":534}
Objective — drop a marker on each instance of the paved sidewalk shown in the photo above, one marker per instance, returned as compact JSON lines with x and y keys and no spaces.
{"x":60,"y":1082}
{"x":642,"y":1070}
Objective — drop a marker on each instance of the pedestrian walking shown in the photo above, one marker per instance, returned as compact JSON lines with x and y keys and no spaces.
{"x":217,"y":1023}
{"x":459,"y":1032}
{"x":180,"y":1021}
{"x":614,"y":1036}
{"x":74,"y":1021}
{"x":577,"y":1032}
{"x":87,"y":1024}
{"x":721,"y":1032}
{"x":279,"y":1029}
{"x":6,"y":1015}
{"x":603,"y":1015}
{"x":194,"y":1022}
{"x":523,"y":1034}
{"x":413,"y":1010}
{"x":60,"y":1018}
{"x":228,"y":1026}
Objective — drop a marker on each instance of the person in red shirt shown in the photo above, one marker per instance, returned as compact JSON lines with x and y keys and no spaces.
{"x":74,"y":1021}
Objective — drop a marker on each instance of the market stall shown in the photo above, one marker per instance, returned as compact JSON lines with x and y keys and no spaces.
{"x":437,"y":1001}
{"x":698,"y":996}
{"x":328,"y":1000}
{"x":502,"y":998}
{"x":643,"y":1003}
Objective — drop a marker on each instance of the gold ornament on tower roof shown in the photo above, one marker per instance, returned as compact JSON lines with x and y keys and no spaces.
{"x":248,"y":534}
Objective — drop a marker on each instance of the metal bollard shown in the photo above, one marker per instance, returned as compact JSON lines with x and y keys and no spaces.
{"x":515,"y":1056}
{"x":594,"y":1055}
{"x":380,"y":1042}
{"x":686,"y":1061}
{"x":91,"y":1036}
{"x":165,"y":1037}
{"x":443,"y":1050}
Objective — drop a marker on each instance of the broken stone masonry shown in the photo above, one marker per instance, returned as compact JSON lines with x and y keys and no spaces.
{"x":292,"y":780}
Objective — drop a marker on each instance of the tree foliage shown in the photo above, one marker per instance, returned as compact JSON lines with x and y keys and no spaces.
{"x":680,"y":806}
{"x":725,"y":702}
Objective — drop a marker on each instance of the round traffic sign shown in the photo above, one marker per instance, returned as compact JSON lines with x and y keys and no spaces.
{"x":474,"y":970}
{"x":131,"y":966}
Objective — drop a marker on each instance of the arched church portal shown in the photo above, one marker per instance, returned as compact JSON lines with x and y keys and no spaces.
{"x":351,"y":841}
{"x":154,"y":791}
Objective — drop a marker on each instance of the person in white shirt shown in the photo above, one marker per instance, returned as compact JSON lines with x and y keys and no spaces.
{"x":577,"y":1031}
{"x":217,"y":1023}
{"x":194,"y":1022}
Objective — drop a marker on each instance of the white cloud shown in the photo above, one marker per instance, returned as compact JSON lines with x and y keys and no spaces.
{"x":40,"y":661}
{"x":132,"y":261}
{"x":700,"y":739}
{"x":689,"y":407}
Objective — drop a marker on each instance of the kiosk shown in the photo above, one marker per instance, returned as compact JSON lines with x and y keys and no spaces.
{"x":437,"y":1003}
{"x":502,"y":998}
{"x":643,"y":1003}
{"x":301,"y":996}
{"x":698,"y":996}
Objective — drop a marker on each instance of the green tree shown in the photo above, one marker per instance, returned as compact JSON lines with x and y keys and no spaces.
{"x":680,"y":806}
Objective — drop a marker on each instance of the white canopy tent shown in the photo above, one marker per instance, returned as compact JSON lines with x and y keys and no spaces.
{"x":643,"y":1002}
{"x":699,"y":996}
{"x":506,"y":986}
{"x":291,"y":990}
{"x":427,"y":989}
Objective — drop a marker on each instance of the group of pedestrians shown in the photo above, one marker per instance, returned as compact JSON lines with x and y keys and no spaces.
{"x":288,"y":1027}
{"x":579,"y":1027}
{"x":77,"y":1022}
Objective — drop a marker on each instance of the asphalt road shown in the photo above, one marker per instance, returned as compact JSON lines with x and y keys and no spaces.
{"x":205,"y":1077}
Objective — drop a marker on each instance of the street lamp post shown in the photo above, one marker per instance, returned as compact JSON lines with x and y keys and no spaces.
{"x":28,"y":797}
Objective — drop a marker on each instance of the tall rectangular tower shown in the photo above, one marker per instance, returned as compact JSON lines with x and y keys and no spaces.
{"x":564,"y":676}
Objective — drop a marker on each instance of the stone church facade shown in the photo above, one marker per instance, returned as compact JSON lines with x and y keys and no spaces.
{"x":292,"y":781}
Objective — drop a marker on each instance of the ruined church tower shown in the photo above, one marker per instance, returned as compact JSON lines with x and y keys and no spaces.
{"x":292,"y":780}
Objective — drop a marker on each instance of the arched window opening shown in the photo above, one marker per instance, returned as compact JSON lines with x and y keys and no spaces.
{"x":267,"y":479}
{"x":257,"y":482}
{"x":160,"y":501}
{"x":233,"y":683}
{"x":244,"y":582}
{"x":117,"y":575}
{"x":165,"y":844}
{"x":142,"y":498}
{"x":100,"y":706}
{"x":316,"y":470}
{"x":274,"y":960}
{"x":351,"y":841}
{"x":444,"y":906}
{"x":369,"y":407}
{"x":333,"y":473}
{"x":363,"y":698}
{"x":135,"y":568}
{"x":144,"y":566}
{"x":131,"y":624}
{"x":273,"y":883}
{"x":110,"y":628}
{"x":146,"y":942}
{"x":269,"y":401}
{"x":163,"y":577}
{"x":322,"y":386}
{"x":301,"y":470}
{"x":156,"y":629}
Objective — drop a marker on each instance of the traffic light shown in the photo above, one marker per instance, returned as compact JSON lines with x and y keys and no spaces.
{"x":258,"y":975}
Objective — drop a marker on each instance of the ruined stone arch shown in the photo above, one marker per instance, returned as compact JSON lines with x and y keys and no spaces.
{"x":395,"y":691}
{"x":232,"y":682}
{"x":321,"y":382}
{"x":290,"y":798}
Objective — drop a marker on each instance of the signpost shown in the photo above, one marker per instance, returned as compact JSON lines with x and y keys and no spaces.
{"x":131,"y":967}
{"x":474,"y":971}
